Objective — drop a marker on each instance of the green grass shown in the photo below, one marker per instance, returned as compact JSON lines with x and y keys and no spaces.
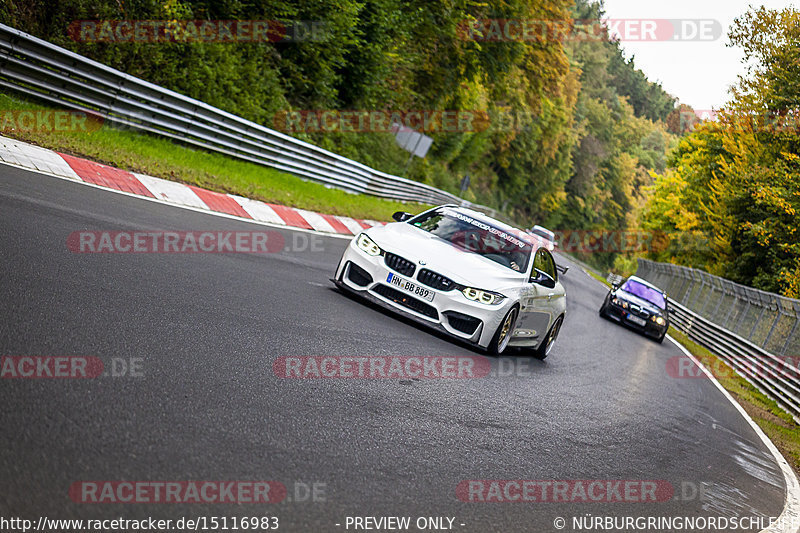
{"x":154,"y":156}
{"x":779,"y":426}
{"x":598,"y":277}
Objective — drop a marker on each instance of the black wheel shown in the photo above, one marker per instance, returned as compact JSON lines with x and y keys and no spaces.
{"x":547,"y":344}
{"x":504,"y":332}
{"x":660,"y":339}
{"x":603,"y":311}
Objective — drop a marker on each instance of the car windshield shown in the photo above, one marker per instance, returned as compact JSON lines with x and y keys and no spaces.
{"x":476,"y":236}
{"x":644,"y":292}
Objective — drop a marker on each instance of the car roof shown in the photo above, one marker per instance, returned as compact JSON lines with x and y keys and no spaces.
{"x":541,"y":229}
{"x":646,"y":283}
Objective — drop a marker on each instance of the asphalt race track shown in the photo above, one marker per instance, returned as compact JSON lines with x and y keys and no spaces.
{"x":203,"y":331}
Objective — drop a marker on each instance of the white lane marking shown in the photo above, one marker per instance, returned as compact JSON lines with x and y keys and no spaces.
{"x":316,"y":221}
{"x":171,"y":191}
{"x":258,"y":210}
{"x":791,"y":510}
{"x":35,"y":158}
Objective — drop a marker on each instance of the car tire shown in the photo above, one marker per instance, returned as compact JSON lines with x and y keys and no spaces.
{"x":660,"y":339}
{"x":547,"y":344}
{"x":504,"y":332}
{"x":603,"y":311}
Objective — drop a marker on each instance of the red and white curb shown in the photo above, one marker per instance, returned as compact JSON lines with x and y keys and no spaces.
{"x":33,"y":157}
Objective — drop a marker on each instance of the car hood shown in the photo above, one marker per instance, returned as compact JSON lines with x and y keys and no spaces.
{"x":442,"y":257}
{"x":641,"y":302}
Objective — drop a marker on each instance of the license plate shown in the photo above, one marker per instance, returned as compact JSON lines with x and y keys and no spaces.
{"x":411,"y":287}
{"x":637,"y":320}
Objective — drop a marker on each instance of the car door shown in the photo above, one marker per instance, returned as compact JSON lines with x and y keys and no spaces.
{"x":538,"y":299}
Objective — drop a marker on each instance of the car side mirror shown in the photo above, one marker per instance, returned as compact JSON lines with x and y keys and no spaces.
{"x":401,"y":216}
{"x":615,"y":286}
{"x":540,"y":277}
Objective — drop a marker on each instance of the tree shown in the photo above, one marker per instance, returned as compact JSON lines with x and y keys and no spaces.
{"x":740,"y":178}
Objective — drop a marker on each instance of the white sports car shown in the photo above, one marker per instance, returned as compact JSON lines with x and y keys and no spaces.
{"x":463,"y":273}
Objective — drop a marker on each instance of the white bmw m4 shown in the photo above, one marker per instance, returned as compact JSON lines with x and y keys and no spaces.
{"x":463,"y":273}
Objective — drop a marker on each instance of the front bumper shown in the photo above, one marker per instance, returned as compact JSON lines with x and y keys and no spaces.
{"x":623,"y":316}
{"x":450,"y":311}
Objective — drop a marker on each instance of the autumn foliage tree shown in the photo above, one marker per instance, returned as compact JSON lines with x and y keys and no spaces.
{"x":575,"y":128}
{"x":734,"y":184}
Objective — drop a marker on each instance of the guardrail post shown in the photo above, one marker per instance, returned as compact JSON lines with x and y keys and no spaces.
{"x":708,"y":298}
{"x":734,"y":300}
{"x":699,"y":291}
{"x":758,"y":320}
{"x":719,"y":302}
{"x":789,"y":337}
{"x":689,"y":288}
{"x":771,"y":329}
{"x":741,"y":317}
{"x":686,"y":285}
{"x":4,"y":54}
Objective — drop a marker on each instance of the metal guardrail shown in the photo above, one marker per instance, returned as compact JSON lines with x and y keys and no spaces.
{"x":768,"y":320}
{"x":776,"y":377}
{"x":766,"y":356}
{"x":48,"y":72}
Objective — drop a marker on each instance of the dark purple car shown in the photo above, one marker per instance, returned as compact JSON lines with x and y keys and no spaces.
{"x":639,"y":305}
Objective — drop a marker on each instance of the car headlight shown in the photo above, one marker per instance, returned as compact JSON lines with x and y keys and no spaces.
{"x":621,"y":303}
{"x":367,"y":245}
{"x":659,"y":320}
{"x":484,"y":297}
